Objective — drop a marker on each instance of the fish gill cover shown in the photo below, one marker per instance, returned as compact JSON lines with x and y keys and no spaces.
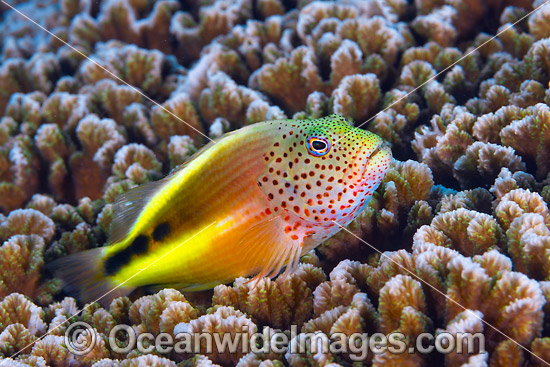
{"x":463,"y":211}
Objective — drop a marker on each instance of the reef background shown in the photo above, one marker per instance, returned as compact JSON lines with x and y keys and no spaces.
{"x":464,"y":206}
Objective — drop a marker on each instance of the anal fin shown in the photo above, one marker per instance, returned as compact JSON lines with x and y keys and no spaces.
{"x":182,"y":287}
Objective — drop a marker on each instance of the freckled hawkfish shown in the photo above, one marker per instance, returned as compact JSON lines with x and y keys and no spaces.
{"x":249,"y":204}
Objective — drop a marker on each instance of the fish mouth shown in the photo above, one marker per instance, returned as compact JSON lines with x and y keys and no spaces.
{"x":367,"y":160}
{"x":382,"y":151}
{"x":382,"y":155}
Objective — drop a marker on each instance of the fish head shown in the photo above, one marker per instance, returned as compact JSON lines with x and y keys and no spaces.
{"x":323,"y":170}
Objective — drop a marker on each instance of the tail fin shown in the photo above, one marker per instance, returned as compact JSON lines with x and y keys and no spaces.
{"x":83,"y":276}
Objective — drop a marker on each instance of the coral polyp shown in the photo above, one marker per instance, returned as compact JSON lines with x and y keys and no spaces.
{"x":456,"y":239}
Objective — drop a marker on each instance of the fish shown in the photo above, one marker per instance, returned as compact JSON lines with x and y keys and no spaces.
{"x":247,"y":205}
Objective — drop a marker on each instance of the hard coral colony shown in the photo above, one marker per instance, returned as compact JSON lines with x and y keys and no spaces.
{"x":462,"y":216}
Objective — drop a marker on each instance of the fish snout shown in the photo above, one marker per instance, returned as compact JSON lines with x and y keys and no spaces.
{"x":382,"y":156}
{"x":377,"y":166}
{"x":377,"y":159}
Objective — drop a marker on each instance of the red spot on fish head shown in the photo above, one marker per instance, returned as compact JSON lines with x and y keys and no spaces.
{"x":322,"y":170}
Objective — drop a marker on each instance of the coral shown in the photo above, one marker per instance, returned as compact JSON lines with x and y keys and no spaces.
{"x":388,"y":42}
{"x":463,"y":210}
{"x":530,"y":93}
{"x":396,"y":118}
{"x":215,"y":19}
{"x":441,"y":145}
{"x":100,"y":140}
{"x":177,"y":117}
{"x":389,"y":265}
{"x":476,"y":199}
{"x":516,"y":43}
{"x":355,"y":315}
{"x":14,"y":338}
{"x":529,"y":245}
{"x":356,"y":96}
{"x":483,"y":161}
{"x":539,"y":347}
{"x":138,"y":67}
{"x":437,"y":25}
{"x":44,"y":204}
{"x":180,"y":148}
{"x":137,"y":122}
{"x":506,"y":182}
{"x":175,"y":313}
{"x":27,"y":222}
{"x":99,"y":350}
{"x":51,"y":350}
{"x":119,"y":20}
{"x":223,"y":98}
{"x":413,"y":181}
{"x":512,"y":294}
{"x":18,"y":75}
{"x":467,"y":321}
{"x":108,"y":98}
{"x":416,"y":73}
{"x":436,"y":96}
{"x":508,"y":352}
{"x":346,"y":60}
{"x":25,"y":109}
{"x":18,"y":167}
{"x":64,"y":109}
{"x":467,"y":231}
{"x":224,"y":320}
{"x":54,"y":149}
{"x":136,"y":361}
{"x":530,"y":136}
{"x":279,"y":303}
{"x":16,"y":309}
{"x":538,"y":26}
{"x":402,"y":307}
{"x":146,"y":313}
{"x":518,"y":202}
{"x":136,"y":162}
{"x":497,"y":96}
{"x":290,"y":80}
{"x":331,"y":294}
{"x":488,"y":126}
{"x":21,"y":261}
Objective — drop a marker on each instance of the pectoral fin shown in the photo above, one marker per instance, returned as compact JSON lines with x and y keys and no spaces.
{"x":267,"y":248}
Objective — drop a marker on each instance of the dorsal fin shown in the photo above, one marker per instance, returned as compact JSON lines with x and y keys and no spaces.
{"x":202,"y":150}
{"x":128,"y":206}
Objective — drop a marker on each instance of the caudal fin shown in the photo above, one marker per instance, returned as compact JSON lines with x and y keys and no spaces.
{"x":83,"y":277}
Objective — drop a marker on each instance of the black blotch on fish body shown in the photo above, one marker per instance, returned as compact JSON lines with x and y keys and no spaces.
{"x":118,"y":260}
{"x":161,"y":231}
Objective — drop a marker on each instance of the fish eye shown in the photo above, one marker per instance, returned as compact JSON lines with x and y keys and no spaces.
{"x":317,"y":146}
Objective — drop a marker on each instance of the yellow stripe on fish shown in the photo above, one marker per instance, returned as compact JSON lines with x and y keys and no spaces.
{"x":249,"y":204}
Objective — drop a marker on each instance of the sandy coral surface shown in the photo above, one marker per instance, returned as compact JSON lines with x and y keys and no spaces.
{"x":462,"y":219}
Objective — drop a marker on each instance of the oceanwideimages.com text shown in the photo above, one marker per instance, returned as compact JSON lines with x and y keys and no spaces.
{"x":80,"y":338}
